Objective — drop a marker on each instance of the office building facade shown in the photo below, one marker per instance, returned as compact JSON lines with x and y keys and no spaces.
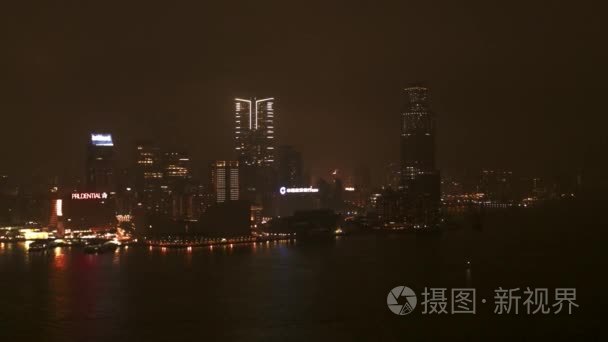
{"x":225,"y":180}
{"x":254,"y":131}
{"x":100,"y":163}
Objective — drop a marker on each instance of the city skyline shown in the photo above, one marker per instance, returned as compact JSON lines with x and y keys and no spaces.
{"x":505,"y":101}
{"x":302,"y":170}
{"x":199,"y":168}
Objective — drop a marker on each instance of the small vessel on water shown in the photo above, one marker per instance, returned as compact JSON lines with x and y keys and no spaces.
{"x":38,"y":246}
{"x":100,"y":247}
{"x":58,"y":243}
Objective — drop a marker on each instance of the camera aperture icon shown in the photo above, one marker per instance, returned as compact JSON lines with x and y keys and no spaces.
{"x":401,"y":300}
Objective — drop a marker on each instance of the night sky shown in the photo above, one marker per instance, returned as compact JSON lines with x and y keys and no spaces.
{"x":517,"y":85}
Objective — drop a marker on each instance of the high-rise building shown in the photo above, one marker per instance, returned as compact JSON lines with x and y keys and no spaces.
{"x":225,"y":180}
{"x":289,"y":167}
{"x":420,"y":181}
{"x":176,"y":188}
{"x":417,"y":134}
{"x":100,"y":167}
{"x":254,"y":131}
{"x":177,"y":165}
{"x":149,"y":176}
{"x":148,"y":159}
{"x":255,"y":149}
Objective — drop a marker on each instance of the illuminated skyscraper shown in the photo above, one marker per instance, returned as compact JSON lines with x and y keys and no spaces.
{"x":255,"y":149}
{"x":254,"y":131}
{"x":225,"y":180}
{"x":100,"y":167}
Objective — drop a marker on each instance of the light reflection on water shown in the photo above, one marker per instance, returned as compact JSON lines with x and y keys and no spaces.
{"x":285,"y":289}
{"x":59,"y":261}
{"x":116,"y":256}
{"x":61,"y":254}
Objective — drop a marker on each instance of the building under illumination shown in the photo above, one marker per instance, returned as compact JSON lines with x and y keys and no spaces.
{"x":86,"y":210}
{"x":177,"y":165}
{"x":149,"y":171}
{"x":255,"y":149}
{"x":225,"y":180}
{"x":100,"y":164}
{"x":254,"y":131}
{"x":56,"y":213}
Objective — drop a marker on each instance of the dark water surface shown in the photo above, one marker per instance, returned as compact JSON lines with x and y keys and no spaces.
{"x":308,"y":291}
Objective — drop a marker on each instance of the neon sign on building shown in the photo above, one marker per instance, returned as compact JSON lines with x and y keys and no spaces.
{"x":102,"y":140}
{"x":283,"y":190}
{"x":89,"y":195}
{"x":59,"y":207}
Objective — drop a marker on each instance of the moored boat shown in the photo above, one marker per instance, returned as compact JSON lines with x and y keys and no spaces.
{"x":38,"y":246}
